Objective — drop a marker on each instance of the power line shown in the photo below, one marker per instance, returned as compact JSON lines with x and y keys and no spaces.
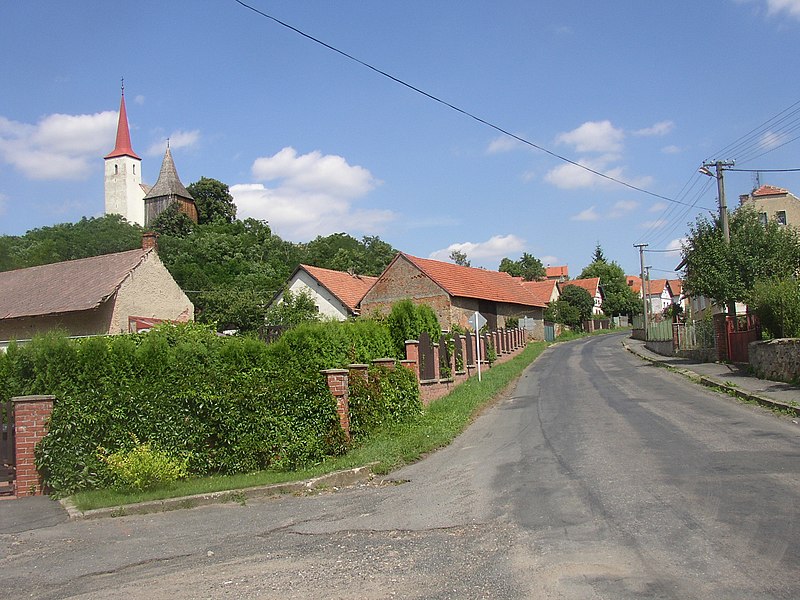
{"x":453,"y":106}
{"x":765,"y":170}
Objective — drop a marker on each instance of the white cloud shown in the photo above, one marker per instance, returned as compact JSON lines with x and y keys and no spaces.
{"x":671,"y":149}
{"x":676,"y":245}
{"x":657,"y":207}
{"x":139,"y":99}
{"x":504,"y":143}
{"x":590,"y":214}
{"x":623,"y":207}
{"x":660,"y":128}
{"x":177,"y":139}
{"x":792,"y":7}
{"x":770,"y":140}
{"x":593,"y":136}
{"x":58,"y":146}
{"x":314,"y":195}
{"x":493,"y":249}
{"x":313,"y":171}
{"x":655,"y":224}
{"x":550,"y":260}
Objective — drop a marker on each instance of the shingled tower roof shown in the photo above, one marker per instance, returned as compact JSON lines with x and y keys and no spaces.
{"x":168,"y":184}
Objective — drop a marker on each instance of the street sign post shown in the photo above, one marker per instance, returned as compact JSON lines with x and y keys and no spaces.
{"x":477,"y":321}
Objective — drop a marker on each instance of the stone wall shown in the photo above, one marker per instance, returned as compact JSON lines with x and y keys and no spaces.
{"x":778,"y":360}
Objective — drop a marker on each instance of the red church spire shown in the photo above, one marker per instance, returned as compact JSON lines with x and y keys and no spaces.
{"x":123,"y":144}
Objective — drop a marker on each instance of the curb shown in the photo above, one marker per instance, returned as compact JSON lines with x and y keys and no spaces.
{"x":336,"y":479}
{"x":719,"y":385}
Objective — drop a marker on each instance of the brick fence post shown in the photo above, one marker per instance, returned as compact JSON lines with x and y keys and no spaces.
{"x":412,"y":355}
{"x":338,"y":383}
{"x":31,"y":416}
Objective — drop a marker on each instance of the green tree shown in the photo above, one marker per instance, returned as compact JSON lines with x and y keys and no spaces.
{"x":343,"y":252}
{"x":580,"y":299}
{"x":528,"y":267}
{"x":213,"y":199}
{"x":69,"y":241}
{"x":460,"y":258}
{"x":618,"y":298}
{"x":172,"y":221}
{"x":726,"y":273}
{"x":230,"y":270}
{"x":293,"y":309}
{"x":598,"y":256}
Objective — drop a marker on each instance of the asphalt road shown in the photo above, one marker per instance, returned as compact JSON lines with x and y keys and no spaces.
{"x":598,"y":476}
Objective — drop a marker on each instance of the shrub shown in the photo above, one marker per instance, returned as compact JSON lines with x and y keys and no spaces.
{"x":777,"y":304}
{"x":384,"y":398}
{"x":143,"y":467}
{"x":407,"y":320}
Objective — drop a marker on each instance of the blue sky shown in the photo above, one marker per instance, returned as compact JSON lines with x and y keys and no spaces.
{"x":315,"y":143}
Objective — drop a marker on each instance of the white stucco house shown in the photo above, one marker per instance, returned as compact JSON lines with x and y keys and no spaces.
{"x":337,"y":294}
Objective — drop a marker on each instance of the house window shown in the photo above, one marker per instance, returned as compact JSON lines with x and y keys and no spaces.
{"x":762,"y":217}
{"x":780,"y":216}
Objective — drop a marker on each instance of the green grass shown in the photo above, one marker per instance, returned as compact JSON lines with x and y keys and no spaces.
{"x":440,"y":423}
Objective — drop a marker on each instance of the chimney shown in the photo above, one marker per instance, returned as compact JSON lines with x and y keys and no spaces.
{"x":150,"y":240}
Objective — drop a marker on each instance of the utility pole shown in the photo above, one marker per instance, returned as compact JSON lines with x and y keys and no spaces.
{"x":719,"y":167}
{"x":645,"y":289}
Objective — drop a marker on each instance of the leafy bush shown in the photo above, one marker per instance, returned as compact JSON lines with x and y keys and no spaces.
{"x":777,"y":304}
{"x":142,"y":467}
{"x":407,"y":320}
{"x":229,"y":405}
{"x":385,"y":397}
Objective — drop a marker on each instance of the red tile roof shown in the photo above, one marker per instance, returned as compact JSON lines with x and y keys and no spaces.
{"x":656,"y":287}
{"x":676,"y":286}
{"x":480,"y":284}
{"x":63,"y":287}
{"x":349,"y":289}
{"x":634,"y":282}
{"x":591,"y":285}
{"x":542,"y":290}
{"x":769,"y":190}
{"x":557,"y":272}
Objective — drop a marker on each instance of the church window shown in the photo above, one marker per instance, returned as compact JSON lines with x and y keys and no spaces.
{"x":116,"y":169}
{"x":134,"y":169}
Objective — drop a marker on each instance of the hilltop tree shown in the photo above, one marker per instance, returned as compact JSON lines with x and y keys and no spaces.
{"x":343,"y":252}
{"x":69,"y":241}
{"x":213,"y":200}
{"x":528,"y":267}
{"x":460,"y":258}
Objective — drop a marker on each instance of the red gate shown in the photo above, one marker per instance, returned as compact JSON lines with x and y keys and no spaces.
{"x":738,"y":340}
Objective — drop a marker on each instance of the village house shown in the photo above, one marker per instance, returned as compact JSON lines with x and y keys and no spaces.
{"x":337,"y":294}
{"x":454,"y":292}
{"x":108,"y":294}
{"x":774,"y":204}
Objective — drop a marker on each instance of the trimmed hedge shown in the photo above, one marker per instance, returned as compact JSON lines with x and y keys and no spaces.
{"x":385,"y":397}
{"x":224,"y":405}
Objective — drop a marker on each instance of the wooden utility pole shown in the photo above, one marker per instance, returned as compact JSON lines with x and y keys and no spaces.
{"x":645,"y":290}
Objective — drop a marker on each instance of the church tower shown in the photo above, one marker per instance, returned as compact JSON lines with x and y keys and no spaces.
{"x":168,"y":190}
{"x":123,"y":178}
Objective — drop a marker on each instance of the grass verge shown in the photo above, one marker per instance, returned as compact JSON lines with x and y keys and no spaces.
{"x":441,"y":422}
